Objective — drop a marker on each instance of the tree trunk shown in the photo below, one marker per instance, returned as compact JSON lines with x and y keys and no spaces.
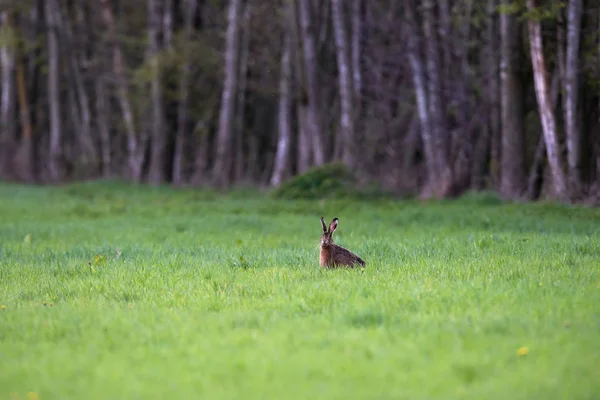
{"x":284,"y":138}
{"x":356,"y":50}
{"x":102,"y":114}
{"x":571,"y":93}
{"x":82,"y":103}
{"x":419,"y":82}
{"x":512,"y":180}
{"x":239,"y":131}
{"x":310,"y":67}
{"x":463,"y":141}
{"x":184,"y":81}
{"x":493,"y":92}
{"x":54,"y":156}
{"x":24,"y":156}
{"x":156,"y":173}
{"x":7,"y":108}
{"x":134,"y":160}
{"x":223,"y":164}
{"x":446,"y":35}
{"x":544,"y":105}
{"x":434,"y":93}
{"x":536,"y":171}
{"x":344,"y":84}
{"x":167,"y":22}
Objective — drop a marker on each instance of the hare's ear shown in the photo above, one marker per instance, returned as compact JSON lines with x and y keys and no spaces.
{"x":333,"y":225}
{"x":323,"y":225}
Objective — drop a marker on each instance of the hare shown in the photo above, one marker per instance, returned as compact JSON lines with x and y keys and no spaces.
{"x":332,"y":255}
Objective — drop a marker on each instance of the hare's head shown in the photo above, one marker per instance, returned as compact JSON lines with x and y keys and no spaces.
{"x":327,"y":237}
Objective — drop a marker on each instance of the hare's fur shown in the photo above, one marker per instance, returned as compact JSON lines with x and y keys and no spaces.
{"x":331,"y":255}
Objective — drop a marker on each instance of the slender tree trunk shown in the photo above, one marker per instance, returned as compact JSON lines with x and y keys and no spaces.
{"x":156,"y":174}
{"x":223,"y":164}
{"x":536,"y":172}
{"x":463,"y":142}
{"x":24,"y":156}
{"x":344,"y":84}
{"x":81,"y":98}
{"x":102,"y":121}
{"x":284,"y":138}
{"x":434,"y":93}
{"x":571,"y":94}
{"x":304,"y":139}
{"x":544,"y":105}
{"x":7,"y":108}
{"x":512,"y":181}
{"x":184,"y":81}
{"x":167,"y":22}
{"x":239,"y":131}
{"x":54,"y":160}
{"x":446,"y":35}
{"x":304,"y":147}
{"x":356,"y":50}
{"x":310,"y":67}
{"x":493,"y":95}
{"x":134,"y":161}
{"x":419,"y":82}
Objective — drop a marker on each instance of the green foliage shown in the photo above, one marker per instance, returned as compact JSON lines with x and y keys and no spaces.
{"x":327,"y":181}
{"x":116,"y":291}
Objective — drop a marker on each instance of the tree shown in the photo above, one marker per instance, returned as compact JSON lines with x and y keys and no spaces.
{"x":134,"y":153}
{"x":512,"y":176}
{"x":156,"y":174}
{"x":312,"y":123}
{"x":223,"y":164}
{"x":284,"y":122}
{"x":421,"y":95}
{"x":7,"y":104}
{"x":54,"y":151}
{"x":345,"y":84}
{"x":184,"y":79}
{"x":434,"y":92}
{"x":571,"y":86}
{"x":544,"y":104}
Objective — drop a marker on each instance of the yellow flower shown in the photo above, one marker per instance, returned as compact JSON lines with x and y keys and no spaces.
{"x":3,"y":307}
{"x":32,"y":396}
{"x":523,"y":351}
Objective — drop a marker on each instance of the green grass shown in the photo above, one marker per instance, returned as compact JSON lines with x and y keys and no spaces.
{"x":111,"y":291}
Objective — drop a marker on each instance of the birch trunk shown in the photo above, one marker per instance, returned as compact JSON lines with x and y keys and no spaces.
{"x":284,"y":138}
{"x":356,"y":49}
{"x":82,"y":102}
{"x":24,"y":159}
{"x":7,"y":61}
{"x":310,"y":67}
{"x":103,"y":128}
{"x":156,"y":173}
{"x":184,"y":81}
{"x":344,"y":84}
{"x":571,"y":95}
{"x":239,"y":131}
{"x":419,"y":83}
{"x":434,"y":93}
{"x":493,"y":92}
{"x":223,"y":164}
{"x":544,"y":105}
{"x":54,"y":167}
{"x":134,"y":161}
{"x":512,"y":180}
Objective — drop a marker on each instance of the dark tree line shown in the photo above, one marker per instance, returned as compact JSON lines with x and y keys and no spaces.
{"x":433,"y":97}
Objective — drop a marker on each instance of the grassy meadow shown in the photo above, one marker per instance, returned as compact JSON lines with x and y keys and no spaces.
{"x":110,"y":291}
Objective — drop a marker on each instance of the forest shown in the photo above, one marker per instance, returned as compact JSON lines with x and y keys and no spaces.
{"x":430,"y":98}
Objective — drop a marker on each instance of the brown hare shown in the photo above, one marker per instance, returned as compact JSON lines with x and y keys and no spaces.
{"x":331,"y":254}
